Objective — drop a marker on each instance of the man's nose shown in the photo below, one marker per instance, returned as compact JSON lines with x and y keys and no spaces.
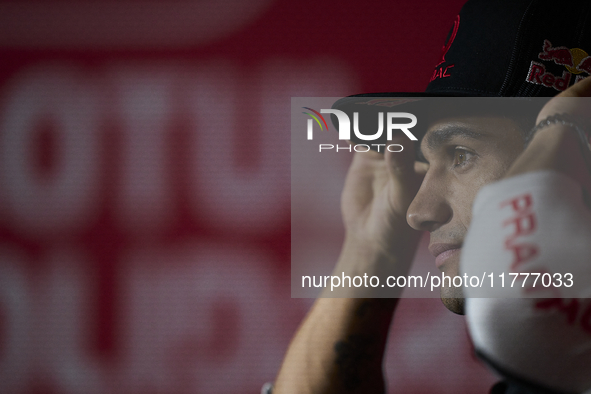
{"x":430,"y":209}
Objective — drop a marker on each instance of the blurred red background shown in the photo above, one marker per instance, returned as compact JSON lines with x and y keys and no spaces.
{"x":145,"y":188}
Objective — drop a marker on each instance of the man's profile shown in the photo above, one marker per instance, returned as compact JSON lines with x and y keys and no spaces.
{"x":495,"y":49}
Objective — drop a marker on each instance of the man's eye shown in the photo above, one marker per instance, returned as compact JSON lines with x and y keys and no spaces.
{"x":461,"y":157}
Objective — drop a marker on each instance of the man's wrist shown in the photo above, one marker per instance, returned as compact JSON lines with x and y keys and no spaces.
{"x":555,"y":147}
{"x":366,"y":260}
{"x":577,"y":124}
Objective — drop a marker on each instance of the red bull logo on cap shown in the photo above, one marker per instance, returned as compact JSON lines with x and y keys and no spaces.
{"x":575,"y":60}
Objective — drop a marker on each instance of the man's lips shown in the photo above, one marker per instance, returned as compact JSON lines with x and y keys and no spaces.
{"x":443,"y":251}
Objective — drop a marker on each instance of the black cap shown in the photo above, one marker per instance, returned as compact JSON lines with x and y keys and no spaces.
{"x":501,"y":48}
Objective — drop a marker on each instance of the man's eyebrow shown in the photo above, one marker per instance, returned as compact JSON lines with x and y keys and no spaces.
{"x":441,"y":135}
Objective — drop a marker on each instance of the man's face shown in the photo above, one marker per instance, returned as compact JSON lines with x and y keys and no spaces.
{"x":463,"y":154}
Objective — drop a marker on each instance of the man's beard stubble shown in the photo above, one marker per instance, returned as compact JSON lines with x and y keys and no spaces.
{"x":453,"y":299}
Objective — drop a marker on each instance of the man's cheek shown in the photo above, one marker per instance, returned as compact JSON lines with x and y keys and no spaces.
{"x":464,"y":198}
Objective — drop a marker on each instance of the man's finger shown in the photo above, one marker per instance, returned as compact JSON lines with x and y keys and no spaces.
{"x":401,"y":169}
{"x":579,"y":89}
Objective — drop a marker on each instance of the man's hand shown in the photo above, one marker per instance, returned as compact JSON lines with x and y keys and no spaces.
{"x":566,"y":101}
{"x":547,"y":220}
{"x":340,"y":346}
{"x":557,"y":147}
{"x":378,"y":190}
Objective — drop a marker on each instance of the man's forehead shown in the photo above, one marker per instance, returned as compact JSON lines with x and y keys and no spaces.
{"x":444,"y":132}
{"x":481,"y":128}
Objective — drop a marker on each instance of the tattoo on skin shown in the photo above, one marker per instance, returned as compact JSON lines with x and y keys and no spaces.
{"x":363,"y":309}
{"x":352,"y":359}
{"x":357,"y":354}
{"x":370,"y":306}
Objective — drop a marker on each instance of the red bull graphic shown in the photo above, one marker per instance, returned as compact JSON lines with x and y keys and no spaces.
{"x":560,"y":55}
{"x":575,"y":60}
{"x":585,"y":65}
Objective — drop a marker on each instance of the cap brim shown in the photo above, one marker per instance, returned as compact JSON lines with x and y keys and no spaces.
{"x":428,"y":107}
